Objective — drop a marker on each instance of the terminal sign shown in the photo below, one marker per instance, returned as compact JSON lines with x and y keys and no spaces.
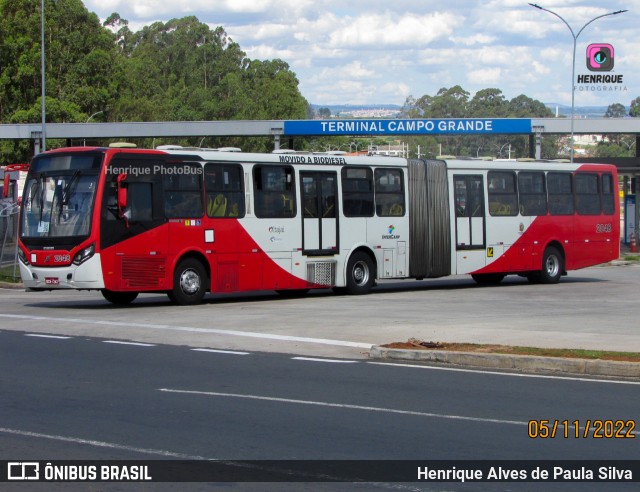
{"x":408,"y":127}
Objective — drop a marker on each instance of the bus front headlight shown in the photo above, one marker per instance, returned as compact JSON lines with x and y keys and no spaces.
{"x":84,"y":255}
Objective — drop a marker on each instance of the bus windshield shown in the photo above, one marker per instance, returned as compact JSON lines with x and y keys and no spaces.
{"x":59,"y":196}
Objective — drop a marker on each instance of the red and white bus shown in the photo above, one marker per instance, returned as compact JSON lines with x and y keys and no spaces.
{"x":191,"y":221}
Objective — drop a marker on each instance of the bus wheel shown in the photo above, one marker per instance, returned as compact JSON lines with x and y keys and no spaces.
{"x":119,"y":297}
{"x":552,"y":267}
{"x":360,"y":273}
{"x":488,"y":278}
{"x":189,"y":282}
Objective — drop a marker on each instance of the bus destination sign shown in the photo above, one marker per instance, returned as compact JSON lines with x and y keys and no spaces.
{"x":408,"y":126}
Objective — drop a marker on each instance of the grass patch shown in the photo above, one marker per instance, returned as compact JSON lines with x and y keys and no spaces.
{"x":6,"y":274}
{"x":414,"y":344}
{"x":631,"y":258}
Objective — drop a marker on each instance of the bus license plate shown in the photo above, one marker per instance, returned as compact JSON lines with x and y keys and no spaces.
{"x":52,"y":281}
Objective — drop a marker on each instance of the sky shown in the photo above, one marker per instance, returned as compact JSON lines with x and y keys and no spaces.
{"x":366,"y":52}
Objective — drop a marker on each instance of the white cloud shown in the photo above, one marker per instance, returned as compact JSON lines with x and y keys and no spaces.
{"x":373,"y":51}
{"x":375,"y":31}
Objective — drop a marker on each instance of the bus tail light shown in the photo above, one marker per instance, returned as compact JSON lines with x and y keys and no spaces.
{"x":84,"y":255}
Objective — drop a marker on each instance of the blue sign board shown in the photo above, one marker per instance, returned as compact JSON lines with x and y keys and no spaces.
{"x":461,"y":126}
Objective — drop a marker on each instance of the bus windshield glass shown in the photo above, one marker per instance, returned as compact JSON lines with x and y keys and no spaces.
{"x":59,"y":196}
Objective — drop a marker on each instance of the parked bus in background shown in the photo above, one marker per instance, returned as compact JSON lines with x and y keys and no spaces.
{"x":12,"y":179}
{"x":191,"y":221}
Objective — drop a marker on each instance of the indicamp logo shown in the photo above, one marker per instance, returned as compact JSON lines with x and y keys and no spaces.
{"x":600,"y":57}
{"x":391,"y":235}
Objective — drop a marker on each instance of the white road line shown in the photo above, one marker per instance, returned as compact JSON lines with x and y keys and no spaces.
{"x":181,"y":456}
{"x":102,"y":444}
{"x":333,"y":361}
{"x":137,"y":344}
{"x":585,"y":379}
{"x":347,"y":406}
{"x":45,"y":336}
{"x":215,"y":351}
{"x":237,"y":333}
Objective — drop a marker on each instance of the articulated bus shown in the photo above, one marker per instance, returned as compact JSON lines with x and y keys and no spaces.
{"x":190,"y":221}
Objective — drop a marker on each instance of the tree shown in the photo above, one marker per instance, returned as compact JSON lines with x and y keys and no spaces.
{"x":324,"y":113}
{"x":488,"y":103}
{"x":616,"y":110}
{"x":634,"y":111}
{"x":80,"y":56}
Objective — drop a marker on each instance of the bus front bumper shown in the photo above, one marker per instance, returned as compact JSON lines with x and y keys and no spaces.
{"x":85,"y":276}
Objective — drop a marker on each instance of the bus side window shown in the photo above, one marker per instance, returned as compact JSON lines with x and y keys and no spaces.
{"x":608,"y":194}
{"x":532,"y":194}
{"x":357,"y":192}
{"x":141,"y":201}
{"x":274,"y":190}
{"x":503,"y":199}
{"x":389,"y":192}
{"x":560,"y":189}
{"x":587,"y":194}
{"x":224,"y":190}
{"x":182,"y":191}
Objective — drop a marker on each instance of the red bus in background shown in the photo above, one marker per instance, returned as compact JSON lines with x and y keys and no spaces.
{"x":189,"y":221}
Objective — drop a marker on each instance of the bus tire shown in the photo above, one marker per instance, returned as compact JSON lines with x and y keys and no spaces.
{"x":189,"y":282}
{"x":552,"y":267}
{"x":488,"y":278}
{"x":119,"y":297}
{"x":360,"y":273}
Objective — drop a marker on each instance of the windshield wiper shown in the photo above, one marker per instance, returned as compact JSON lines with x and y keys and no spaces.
{"x":67,"y":189}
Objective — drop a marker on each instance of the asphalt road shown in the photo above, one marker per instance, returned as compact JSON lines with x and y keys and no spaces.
{"x":595,"y":308}
{"x":80,"y":393}
{"x":81,"y":398}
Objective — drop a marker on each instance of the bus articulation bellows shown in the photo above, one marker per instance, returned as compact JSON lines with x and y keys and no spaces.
{"x":191,"y":221}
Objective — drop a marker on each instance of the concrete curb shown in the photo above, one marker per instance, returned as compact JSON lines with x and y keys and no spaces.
{"x":524,"y":363}
{"x":9,"y":285}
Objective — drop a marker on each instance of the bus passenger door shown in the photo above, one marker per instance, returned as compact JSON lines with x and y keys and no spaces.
{"x":319,"y":213}
{"x":470,"y":227}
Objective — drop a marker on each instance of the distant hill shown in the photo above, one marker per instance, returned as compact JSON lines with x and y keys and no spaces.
{"x":583,"y":111}
{"x":390,"y":110}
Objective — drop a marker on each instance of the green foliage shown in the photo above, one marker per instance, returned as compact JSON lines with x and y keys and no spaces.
{"x":635,"y":108}
{"x":616,"y":111}
{"x":79,"y":57}
{"x":180,"y":70}
{"x":614,"y":149}
{"x":486,"y":103}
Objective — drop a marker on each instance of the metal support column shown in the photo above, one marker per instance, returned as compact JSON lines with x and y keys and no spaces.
{"x":537,"y":130}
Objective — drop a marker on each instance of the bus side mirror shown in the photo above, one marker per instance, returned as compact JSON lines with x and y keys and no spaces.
{"x":122,"y":196}
{"x":7,"y":183}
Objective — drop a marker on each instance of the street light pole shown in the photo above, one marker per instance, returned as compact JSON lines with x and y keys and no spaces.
{"x":84,"y":142}
{"x":573,"y":63}
{"x":43,"y":102}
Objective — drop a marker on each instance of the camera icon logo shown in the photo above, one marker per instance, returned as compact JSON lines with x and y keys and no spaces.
{"x":600,"y":57}
{"x":23,"y":470}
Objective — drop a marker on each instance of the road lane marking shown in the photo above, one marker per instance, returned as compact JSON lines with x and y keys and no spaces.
{"x":137,"y":344}
{"x":216,"y":351}
{"x":102,"y":444}
{"x":46,"y":336}
{"x":585,"y":379}
{"x":237,"y":333}
{"x":346,"y":406}
{"x":182,"y":456}
{"x":332,"y":361}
